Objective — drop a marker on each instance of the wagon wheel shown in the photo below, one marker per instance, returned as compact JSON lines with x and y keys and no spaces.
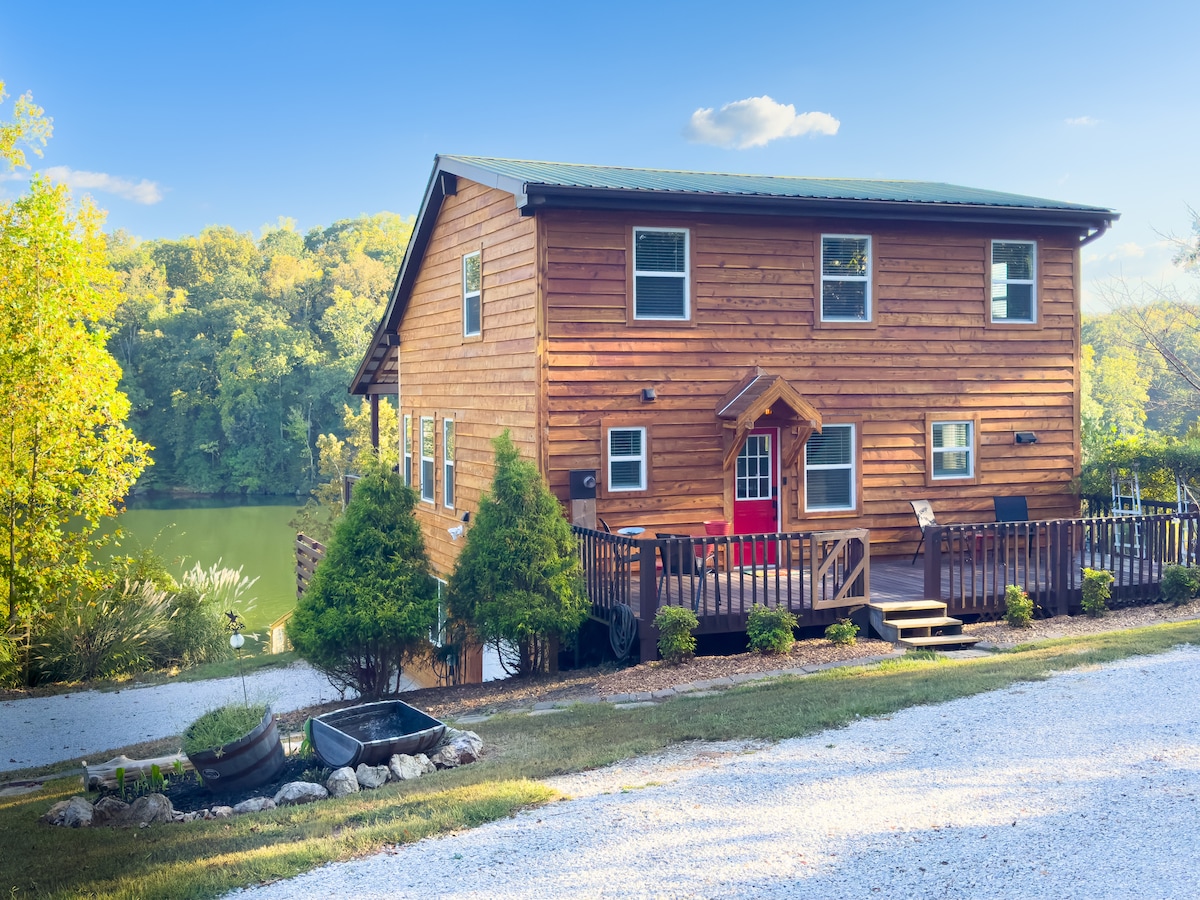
{"x":622,"y":630}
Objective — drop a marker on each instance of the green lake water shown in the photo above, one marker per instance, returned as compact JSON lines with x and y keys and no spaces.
{"x":255,"y":538}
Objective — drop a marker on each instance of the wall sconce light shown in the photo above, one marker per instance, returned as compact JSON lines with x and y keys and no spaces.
{"x":466,"y":517}
{"x":1026,"y":437}
{"x":648,"y":395}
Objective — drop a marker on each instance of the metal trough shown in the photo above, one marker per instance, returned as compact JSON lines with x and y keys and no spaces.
{"x":372,"y":733}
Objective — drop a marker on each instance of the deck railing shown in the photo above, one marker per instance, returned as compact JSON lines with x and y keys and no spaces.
{"x":968,"y":566}
{"x":309,"y":552}
{"x":721,"y":577}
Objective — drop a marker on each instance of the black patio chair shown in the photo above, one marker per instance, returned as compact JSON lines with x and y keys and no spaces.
{"x":1011,"y":509}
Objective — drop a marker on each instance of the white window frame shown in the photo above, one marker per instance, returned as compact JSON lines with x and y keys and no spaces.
{"x":448,"y":463}
{"x":685,"y":275}
{"x":1032,"y":282}
{"x":427,"y":484}
{"x":851,"y":468}
{"x":639,"y":458}
{"x":968,"y":449}
{"x":406,"y":439}
{"x":868,"y":300}
{"x":476,"y":295}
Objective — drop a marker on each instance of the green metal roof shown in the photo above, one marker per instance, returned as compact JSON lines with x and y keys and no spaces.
{"x":526,"y":176}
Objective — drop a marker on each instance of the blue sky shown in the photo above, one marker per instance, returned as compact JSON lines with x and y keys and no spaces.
{"x":178,"y":116}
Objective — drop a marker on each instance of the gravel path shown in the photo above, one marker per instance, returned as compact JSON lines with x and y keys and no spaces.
{"x":1082,"y":786}
{"x":87,"y":724}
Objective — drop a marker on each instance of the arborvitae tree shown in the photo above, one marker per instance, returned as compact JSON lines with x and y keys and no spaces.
{"x":518,"y":583}
{"x":372,"y":601}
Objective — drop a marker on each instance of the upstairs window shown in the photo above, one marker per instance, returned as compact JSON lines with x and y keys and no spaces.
{"x":472,"y":272}
{"x":845,"y":278}
{"x":448,"y":463}
{"x":829,"y":469}
{"x":1014,"y":267}
{"x":408,"y":447}
{"x":427,"y":459}
{"x":626,"y":459}
{"x":953,"y":449}
{"x":660,"y":274}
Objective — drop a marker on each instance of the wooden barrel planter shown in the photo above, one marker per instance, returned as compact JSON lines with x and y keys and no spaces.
{"x":247,"y":762}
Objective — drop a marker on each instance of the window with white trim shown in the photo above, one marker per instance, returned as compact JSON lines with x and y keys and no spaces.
{"x":845,"y":278}
{"x":1014,"y":270}
{"x":448,"y":463}
{"x":472,"y":276}
{"x":829,"y":470}
{"x":953,"y":449}
{"x":408,"y":438}
{"x":427,"y":459}
{"x":626,"y":459}
{"x":661,"y":280}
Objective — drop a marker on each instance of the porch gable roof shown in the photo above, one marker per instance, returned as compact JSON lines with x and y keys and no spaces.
{"x":753,"y":397}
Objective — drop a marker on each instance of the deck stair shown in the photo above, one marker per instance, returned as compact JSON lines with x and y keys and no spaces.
{"x":919,"y":624}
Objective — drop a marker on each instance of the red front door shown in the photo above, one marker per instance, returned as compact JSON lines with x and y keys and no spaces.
{"x":756,"y":495}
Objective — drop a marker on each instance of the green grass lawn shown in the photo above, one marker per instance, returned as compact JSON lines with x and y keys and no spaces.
{"x":206,"y":859}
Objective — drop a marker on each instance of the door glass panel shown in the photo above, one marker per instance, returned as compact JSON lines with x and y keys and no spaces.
{"x":754,"y":469}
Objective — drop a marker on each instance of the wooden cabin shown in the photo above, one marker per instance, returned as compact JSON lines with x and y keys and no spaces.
{"x":784,"y":354}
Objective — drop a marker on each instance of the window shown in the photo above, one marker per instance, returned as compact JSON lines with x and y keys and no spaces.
{"x":472,"y":290}
{"x":427,"y":459}
{"x":829,"y":469}
{"x":953,"y":449}
{"x":408,"y":450}
{"x":448,"y":463}
{"x":1013,"y":294}
{"x":845,"y":278}
{"x":660,"y":273}
{"x":626,"y":459}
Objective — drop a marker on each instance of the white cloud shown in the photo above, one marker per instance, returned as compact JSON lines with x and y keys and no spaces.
{"x":145,"y":192}
{"x":754,"y":122}
{"x":1129,"y":250}
{"x":1082,"y":121}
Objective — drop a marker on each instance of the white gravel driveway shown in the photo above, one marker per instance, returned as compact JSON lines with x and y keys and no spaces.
{"x":87,"y":724}
{"x":1082,"y":786}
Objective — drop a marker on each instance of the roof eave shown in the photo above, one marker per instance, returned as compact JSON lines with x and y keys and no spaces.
{"x":543,"y":196}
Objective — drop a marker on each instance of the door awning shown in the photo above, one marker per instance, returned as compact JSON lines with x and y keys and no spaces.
{"x":760,"y":394}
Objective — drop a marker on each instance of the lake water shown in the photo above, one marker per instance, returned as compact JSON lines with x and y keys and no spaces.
{"x":256,"y":538}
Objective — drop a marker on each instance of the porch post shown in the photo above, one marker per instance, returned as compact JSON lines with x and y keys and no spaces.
{"x":1062,"y":555}
{"x":933,"y":563}
{"x":375,"y":421}
{"x":647,"y":599}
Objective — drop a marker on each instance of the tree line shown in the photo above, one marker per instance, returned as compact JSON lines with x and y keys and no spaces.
{"x":236,"y":352}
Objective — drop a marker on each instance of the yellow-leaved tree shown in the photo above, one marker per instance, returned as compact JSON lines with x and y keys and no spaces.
{"x":67,"y":459}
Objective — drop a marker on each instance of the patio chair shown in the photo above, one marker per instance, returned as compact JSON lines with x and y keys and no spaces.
{"x":678,"y":561}
{"x":1011,"y":509}
{"x":923,"y":510}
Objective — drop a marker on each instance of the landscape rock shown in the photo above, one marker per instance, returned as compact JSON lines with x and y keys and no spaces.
{"x":254,"y":804}
{"x":73,"y":813}
{"x":153,"y":809}
{"x":427,"y":765}
{"x":457,"y":749}
{"x":296,"y":792}
{"x":405,"y":768}
{"x":220,"y":812}
{"x":342,"y":782}
{"x":371,"y":777}
{"x":110,"y":811}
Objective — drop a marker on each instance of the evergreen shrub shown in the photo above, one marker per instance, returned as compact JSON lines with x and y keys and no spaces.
{"x":1179,"y":584}
{"x":770,"y":630}
{"x":842,"y":632}
{"x":1018,"y":607}
{"x":1097,"y":588}
{"x":676,"y":643}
